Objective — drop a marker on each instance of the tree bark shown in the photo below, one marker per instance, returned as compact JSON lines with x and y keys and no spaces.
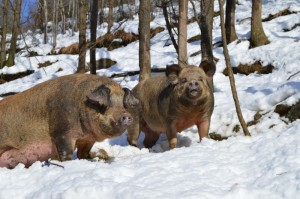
{"x":110,"y":19}
{"x":54,"y":24}
{"x":206,"y":25}
{"x":82,"y":36}
{"x":168,"y":25}
{"x":230,"y":21}
{"x":3,"y":33}
{"x":94,"y":17}
{"x":15,"y":32}
{"x":258,"y":37}
{"x":231,"y":76}
{"x":46,"y":22}
{"x":182,"y":33}
{"x":144,"y":40}
{"x":101,"y":13}
{"x":63,"y":16}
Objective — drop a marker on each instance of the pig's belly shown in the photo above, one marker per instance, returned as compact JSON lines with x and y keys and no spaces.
{"x":28,"y":154}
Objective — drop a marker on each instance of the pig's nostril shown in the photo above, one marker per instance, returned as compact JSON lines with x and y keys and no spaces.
{"x":196,"y":84}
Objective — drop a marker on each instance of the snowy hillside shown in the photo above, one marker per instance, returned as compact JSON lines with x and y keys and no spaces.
{"x":265,"y":165}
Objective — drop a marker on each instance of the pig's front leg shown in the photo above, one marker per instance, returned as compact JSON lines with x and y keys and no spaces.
{"x":171,"y":134}
{"x":203,"y":128}
{"x":65,"y":147}
{"x":133,"y":132}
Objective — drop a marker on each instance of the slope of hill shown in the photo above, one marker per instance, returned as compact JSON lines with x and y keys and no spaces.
{"x":266,"y":165}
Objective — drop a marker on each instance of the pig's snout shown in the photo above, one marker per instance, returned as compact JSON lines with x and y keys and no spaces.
{"x":126,"y":119}
{"x":194,"y":88}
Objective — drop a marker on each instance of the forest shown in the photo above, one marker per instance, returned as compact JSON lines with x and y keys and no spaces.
{"x":253,"y":51}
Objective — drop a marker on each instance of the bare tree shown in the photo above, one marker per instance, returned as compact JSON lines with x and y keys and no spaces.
{"x":258,"y":36}
{"x":3,"y":33}
{"x":46,"y":22}
{"x":74,"y":16}
{"x":94,"y":17}
{"x":15,"y":32}
{"x":206,"y":25}
{"x":82,"y":36}
{"x":110,"y":19}
{"x":101,"y":13}
{"x":231,"y":76}
{"x":54,"y":22}
{"x":230,"y":21}
{"x":63,"y":16}
{"x":182,"y":33}
{"x":144,"y":40}
{"x":164,"y":6}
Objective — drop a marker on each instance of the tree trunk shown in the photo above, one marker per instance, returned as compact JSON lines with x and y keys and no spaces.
{"x":110,"y":19}
{"x":206,"y":25}
{"x":230,"y":21}
{"x":3,"y":33}
{"x":144,"y":40}
{"x":168,"y":25}
{"x":54,"y":24}
{"x":182,"y":33}
{"x":101,"y":13}
{"x":231,"y":76}
{"x":63,"y":16}
{"x":258,"y":36}
{"x":94,"y":17}
{"x":74,"y":16}
{"x":15,"y":32}
{"x":46,"y":22}
{"x":82,"y":36}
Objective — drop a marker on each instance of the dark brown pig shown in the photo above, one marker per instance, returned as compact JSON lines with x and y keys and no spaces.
{"x":172,"y":103}
{"x":50,"y":119}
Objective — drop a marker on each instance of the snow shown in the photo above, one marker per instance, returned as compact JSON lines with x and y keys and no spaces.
{"x":265,"y":165}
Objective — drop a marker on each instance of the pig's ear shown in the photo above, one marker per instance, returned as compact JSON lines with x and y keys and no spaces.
{"x":209,"y":67}
{"x":100,"y":96}
{"x":129,"y":100}
{"x":172,"y":72}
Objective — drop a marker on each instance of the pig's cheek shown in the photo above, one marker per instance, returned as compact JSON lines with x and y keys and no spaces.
{"x":180,"y":90}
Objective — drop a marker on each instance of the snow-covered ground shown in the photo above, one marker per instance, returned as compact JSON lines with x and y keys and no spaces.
{"x":266,"y":165}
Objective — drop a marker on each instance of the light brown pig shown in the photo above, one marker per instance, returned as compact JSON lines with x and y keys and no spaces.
{"x":48,"y":120}
{"x":172,"y":103}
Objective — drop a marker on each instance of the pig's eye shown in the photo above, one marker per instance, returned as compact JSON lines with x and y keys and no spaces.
{"x":183,"y":80}
{"x":201,"y":79}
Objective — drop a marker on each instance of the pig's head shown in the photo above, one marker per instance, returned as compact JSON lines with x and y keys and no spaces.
{"x":191,"y":83}
{"x":111,"y":104}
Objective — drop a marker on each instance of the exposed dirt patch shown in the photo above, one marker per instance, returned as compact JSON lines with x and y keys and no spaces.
{"x":103,"y":63}
{"x":217,"y":137}
{"x":45,"y":64}
{"x":248,"y":69}
{"x":290,"y":112}
{"x":10,"y":77}
{"x":110,"y":41}
{"x":279,"y":14}
{"x":194,"y":38}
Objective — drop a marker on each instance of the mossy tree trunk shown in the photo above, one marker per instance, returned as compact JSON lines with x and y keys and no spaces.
{"x":258,"y":36}
{"x":94,"y":17}
{"x":144,"y":40}
{"x":230,"y":21}
{"x":15,"y":32}
{"x":206,"y":26}
{"x":82,"y":36}
{"x":182,"y":33}
{"x":3,"y":33}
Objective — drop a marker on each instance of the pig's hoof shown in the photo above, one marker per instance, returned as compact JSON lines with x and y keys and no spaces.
{"x":101,"y":154}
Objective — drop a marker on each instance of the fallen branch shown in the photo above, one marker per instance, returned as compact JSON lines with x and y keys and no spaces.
{"x":132,"y":73}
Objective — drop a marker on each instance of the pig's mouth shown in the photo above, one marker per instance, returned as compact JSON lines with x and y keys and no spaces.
{"x":194,"y":93}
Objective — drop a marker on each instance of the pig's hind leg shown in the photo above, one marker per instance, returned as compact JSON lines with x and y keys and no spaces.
{"x":151,"y":136}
